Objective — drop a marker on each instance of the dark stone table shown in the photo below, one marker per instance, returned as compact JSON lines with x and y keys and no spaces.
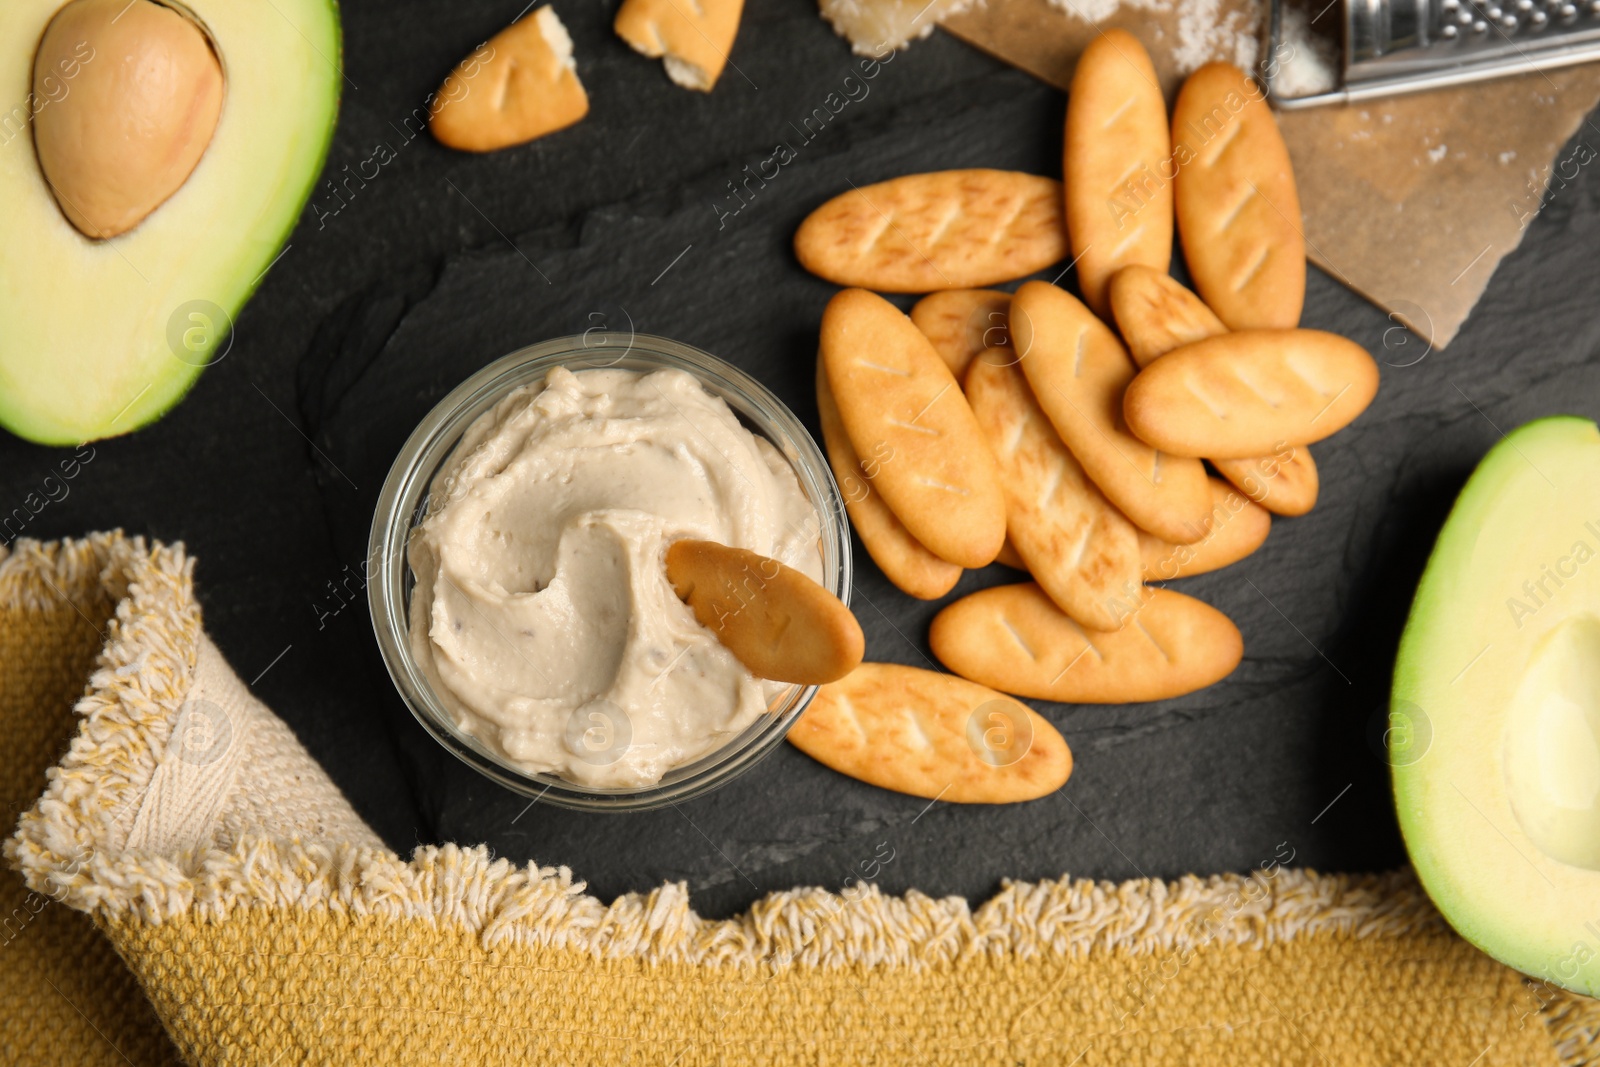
{"x":406,"y":280}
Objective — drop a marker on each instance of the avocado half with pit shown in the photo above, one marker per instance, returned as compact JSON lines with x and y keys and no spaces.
{"x":153,"y":160}
{"x":1494,"y":732}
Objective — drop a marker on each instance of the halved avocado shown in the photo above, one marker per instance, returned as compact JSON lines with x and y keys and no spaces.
{"x":99,"y":337}
{"x":1495,"y":719}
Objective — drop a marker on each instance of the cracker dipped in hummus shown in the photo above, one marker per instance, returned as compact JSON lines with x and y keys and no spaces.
{"x":542,"y":615}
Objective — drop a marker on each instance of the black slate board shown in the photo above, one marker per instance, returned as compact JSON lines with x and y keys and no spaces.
{"x":401,"y":285}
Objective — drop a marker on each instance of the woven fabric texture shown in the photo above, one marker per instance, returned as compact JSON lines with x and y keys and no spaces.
{"x":267,"y":924}
{"x":65,"y":997}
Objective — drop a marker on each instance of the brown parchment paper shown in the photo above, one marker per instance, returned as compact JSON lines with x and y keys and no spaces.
{"x":1411,"y":201}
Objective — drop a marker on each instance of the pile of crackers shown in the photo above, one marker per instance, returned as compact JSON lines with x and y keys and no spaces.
{"x":1069,"y":438}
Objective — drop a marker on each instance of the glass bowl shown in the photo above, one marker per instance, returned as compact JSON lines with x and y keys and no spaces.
{"x":403,"y":504}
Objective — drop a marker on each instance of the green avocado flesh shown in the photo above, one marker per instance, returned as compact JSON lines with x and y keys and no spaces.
{"x":1495,"y":722}
{"x":100,"y":337}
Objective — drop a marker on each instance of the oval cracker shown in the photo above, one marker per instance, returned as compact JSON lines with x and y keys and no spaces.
{"x":1117,"y":164}
{"x":906,"y":417}
{"x":1239,"y":526}
{"x":950,"y":229}
{"x":933,"y":735}
{"x":1010,"y":557}
{"x":775,"y":620}
{"x":1285,"y":483}
{"x":963,"y":322}
{"x":1081,"y":549}
{"x":1237,"y":207}
{"x":1078,"y":370}
{"x":1156,"y":315}
{"x":904,"y":560}
{"x":1251,"y":393}
{"x":1013,"y":635}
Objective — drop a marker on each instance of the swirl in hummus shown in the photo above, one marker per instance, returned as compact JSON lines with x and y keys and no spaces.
{"x":542,"y":615}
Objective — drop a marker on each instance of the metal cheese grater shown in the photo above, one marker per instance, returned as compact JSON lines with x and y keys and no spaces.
{"x":1400,"y":46}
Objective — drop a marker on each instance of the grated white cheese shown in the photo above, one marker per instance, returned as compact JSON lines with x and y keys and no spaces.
{"x":1311,"y":65}
{"x":1204,"y":32}
{"x":874,"y":27}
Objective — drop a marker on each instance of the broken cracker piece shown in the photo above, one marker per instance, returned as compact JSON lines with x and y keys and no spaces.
{"x":692,"y":38}
{"x":519,"y":86}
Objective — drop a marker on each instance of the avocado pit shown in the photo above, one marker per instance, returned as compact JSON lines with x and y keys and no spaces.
{"x":139,"y":110}
{"x":1553,"y":744}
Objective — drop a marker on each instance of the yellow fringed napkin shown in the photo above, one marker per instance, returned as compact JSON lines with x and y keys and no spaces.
{"x":267,"y":924}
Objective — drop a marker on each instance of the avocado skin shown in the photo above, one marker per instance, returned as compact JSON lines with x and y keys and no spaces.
{"x":301,"y":198}
{"x":1499,"y":931}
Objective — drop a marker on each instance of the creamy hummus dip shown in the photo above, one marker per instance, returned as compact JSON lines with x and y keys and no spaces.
{"x":542,"y":614}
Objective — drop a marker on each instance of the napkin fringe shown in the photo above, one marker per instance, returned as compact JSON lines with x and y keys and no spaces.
{"x":70,"y":847}
{"x":69,"y":844}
